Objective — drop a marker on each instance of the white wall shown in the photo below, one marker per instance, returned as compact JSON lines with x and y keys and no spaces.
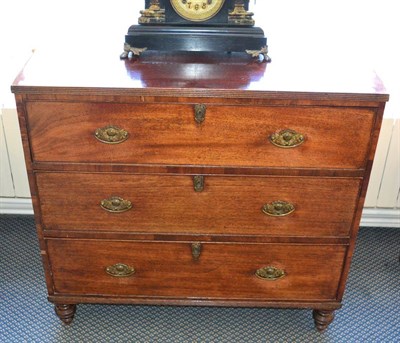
{"x":347,"y":27}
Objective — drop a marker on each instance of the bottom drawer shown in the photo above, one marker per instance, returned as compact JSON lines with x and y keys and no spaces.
{"x":221,"y":271}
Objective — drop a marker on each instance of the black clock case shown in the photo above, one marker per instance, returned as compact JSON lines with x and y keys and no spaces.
{"x":196,"y":38}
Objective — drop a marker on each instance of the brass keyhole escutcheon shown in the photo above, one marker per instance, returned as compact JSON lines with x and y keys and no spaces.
{"x":196,"y":250}
{"x":198,"y":183}
{"x":200,"y":113}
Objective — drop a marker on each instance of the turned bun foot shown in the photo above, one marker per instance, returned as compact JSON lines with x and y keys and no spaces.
{"x":322,"y":319}
{"x":65,"y":312}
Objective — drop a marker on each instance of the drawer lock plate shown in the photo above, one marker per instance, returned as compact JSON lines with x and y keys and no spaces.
{"x":196,"y":250}
{"x":199,"y":113}
{"x":198,"y":183}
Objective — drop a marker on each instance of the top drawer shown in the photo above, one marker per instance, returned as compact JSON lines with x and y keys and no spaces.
{"x":228,"y":136}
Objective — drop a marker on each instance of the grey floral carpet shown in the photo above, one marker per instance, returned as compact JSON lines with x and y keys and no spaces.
{"x":370,"y":313}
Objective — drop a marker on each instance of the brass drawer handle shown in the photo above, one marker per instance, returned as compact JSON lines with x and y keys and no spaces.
{"x":287,"y":138}
{"x":278,"y":208}
{"x":116,"y":205}
{"x":270,"y":273}
{"x":120,"y":270}
{"x":200,"y":113}
{"x":111,"y":135}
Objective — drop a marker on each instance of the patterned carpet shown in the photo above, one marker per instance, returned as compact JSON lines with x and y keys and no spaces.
{"x":370,"y":313}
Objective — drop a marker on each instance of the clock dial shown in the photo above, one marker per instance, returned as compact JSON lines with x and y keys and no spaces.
{"x":197,"y":10}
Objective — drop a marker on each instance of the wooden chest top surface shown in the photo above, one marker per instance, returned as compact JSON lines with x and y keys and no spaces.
{"x":204,"y":75}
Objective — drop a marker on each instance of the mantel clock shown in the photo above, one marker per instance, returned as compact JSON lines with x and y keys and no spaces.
{"x":196,"y":25}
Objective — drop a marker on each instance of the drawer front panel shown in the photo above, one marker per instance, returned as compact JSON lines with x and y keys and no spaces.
{"x":221,"y":270}
{"x":170,"y":204}
{"x":228,"y":136}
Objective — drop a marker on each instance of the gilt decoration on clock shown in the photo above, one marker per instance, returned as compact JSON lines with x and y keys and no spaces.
{"x":196,"y":25}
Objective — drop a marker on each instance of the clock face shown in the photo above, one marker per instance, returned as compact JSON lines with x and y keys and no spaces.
{"x":197,"y":10}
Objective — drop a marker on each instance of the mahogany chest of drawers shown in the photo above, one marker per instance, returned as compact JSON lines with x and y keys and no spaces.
{"x":194,"y":180}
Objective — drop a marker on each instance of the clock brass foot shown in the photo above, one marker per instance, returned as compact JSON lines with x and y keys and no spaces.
{"x":261,"y":54}
{"x":130,"y":51}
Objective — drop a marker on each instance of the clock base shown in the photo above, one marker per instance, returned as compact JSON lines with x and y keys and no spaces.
{"x":193,"y":38}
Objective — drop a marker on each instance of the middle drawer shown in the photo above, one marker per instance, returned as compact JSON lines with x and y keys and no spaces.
{"x":284,"y":206}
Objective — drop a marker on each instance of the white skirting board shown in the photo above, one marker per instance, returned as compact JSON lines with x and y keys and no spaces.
{"x":373,"y":217}
{"x":16,"y":206}
{"x":381,"y":217}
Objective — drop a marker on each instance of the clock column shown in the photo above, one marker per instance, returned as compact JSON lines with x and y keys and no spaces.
{"x":154,"y":14}
{"x":239,"y":15}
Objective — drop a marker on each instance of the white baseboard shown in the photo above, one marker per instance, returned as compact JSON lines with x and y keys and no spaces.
{"x":16,"y":206}
{"x":370,"y":217}
{"x":380,"y":217}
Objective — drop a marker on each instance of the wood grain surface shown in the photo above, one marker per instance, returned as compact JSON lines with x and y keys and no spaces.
{"x":227,"y":205}
{"x":229,"y":136}
{"x":222,"y":271}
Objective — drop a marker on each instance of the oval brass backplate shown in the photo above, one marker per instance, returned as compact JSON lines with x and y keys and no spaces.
{"x":278,"y":208}
{"x":111,"y":134}
{"x":116,"y":204}
{"x":120,"y":270}
{"x":270,"y":273}
{"x":287,"y":138}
